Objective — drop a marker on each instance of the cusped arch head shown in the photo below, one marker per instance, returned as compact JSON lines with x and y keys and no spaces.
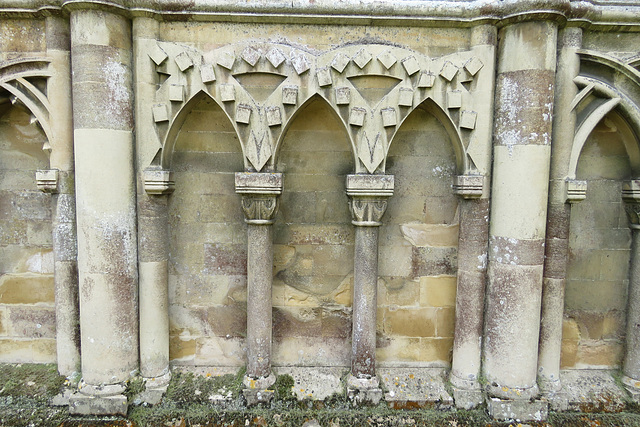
{"x":609,"y":88}
{"x":169,"y":141}
{"x":431,"y":107}
{"x":315,"y":97}
{"x":17,"y":80}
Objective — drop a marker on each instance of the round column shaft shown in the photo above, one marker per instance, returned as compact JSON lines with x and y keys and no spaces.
{"x":260,"y":193}
{"x":522,"y":137}
{"x":559,"y":212}
{"x":365,"y":282}
{"x":105,"y":197}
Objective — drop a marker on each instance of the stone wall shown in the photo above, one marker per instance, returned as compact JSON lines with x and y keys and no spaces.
{"x":401,"y":186}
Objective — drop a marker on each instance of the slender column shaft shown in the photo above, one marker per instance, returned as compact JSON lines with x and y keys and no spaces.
{"x":472,"y":268}
{"x":153,"y":252}
{"x":559,"y":212}
{"x":63,"y":201}
{"x":522,"y":136}
{"x":260,"y":193}
{"x":105,"y":195}
{"x":259,"y":281}
{"x":365,"y":281}
{"x":369,"y":194}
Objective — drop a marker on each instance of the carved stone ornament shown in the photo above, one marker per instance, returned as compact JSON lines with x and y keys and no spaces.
{"x":468,"y":186}
{"x":260,"y":191}
{"x":631,"y":196}
{"x":47,"y":180}
{"x":369,"y":195}
{"x":158,"y":182}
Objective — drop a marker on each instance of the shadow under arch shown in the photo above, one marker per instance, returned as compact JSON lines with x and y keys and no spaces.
{"x":315,"y":97}
{"x":171,"y":137}
{"x":431,"y":107}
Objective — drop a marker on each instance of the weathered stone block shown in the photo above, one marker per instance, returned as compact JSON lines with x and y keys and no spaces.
{"x":26,"y":289}
{"x":32,"y":322}
{"x":297,"y":321}
{"x":410,"y":322}
{"x":220,"y":351}
{"x":228,"y":320}
{"x":429,"y":261}
{"x":80,"y":404}
{"x":398,"y":291}
{"x":445,"y":321}
{"x":181,"y":349}
{"x":438,"y":291}
{"x":228,"y":259}
{"x":517,"y":410}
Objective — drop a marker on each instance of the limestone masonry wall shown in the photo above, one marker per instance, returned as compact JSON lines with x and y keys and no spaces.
{"x":450,"y":187}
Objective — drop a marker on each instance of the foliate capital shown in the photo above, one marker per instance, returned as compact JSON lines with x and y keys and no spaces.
{"x":260,"y":191}
{"x":369,"y":194}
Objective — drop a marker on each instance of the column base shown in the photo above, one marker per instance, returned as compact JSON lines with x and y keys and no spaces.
{"x":364,"y":391}
{"x":552,"y":392}
{"x":154,"y":389}
{"x":512,"y":393}
{"x":82,"y":404}
{"x":257,"y":391}
{"x":632,"y":386}
{"x":517,"y":410}
{"x":467,"y":394}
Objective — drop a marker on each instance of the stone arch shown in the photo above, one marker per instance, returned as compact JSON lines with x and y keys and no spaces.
{"x":430,"y":106}
{"x":607,"y":85}
{"x":313,"y":241}
{"x":315,"y":97}
{"x":174,"y":127}
{"x":17,"y":79}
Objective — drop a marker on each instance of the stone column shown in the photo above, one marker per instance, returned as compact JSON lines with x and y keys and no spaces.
{"x":561,"y":193}
{"x":59,"y":180}
{"x":472,"y":270}
{"x":106,"y":211}
{"x":631,"y":364}
{"x":260,"y":193}
{"x":522,"y":138}
{"x":153,"y":264}
{"x":368,"y":194}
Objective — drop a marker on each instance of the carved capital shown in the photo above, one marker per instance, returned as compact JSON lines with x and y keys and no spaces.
{"x":158,"y":182}
{"x":369,"y":194}
{"x":468,"y":186}
{"x":260,"y":193}
{"x":47,"y":180}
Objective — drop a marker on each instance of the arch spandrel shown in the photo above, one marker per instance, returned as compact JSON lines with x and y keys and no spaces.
{"x":450,"y":83}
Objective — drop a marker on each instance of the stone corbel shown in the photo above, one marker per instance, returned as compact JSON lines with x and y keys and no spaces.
{"x":158,"y":182}
{"x":260,"y":193}
{"x":575,"y":190}
{"x":631,"y":197}
{"x":468,"y":186}
{"x":47,"y":180}
{"x":369,"y":194}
